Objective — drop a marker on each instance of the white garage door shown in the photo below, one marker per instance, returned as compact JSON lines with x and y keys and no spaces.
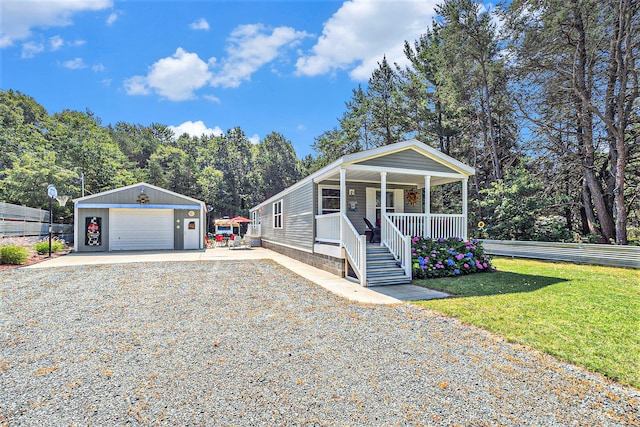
{"x":140,"y":229}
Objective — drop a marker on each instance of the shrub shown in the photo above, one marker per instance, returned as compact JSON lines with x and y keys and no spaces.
{"x":42,"y":247}
{"x":454,"y":256}
{"x":12,"y":254}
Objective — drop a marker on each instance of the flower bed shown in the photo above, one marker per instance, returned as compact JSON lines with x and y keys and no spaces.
{"x":447,"y":257}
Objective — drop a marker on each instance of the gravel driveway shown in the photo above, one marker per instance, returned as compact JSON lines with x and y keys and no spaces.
{"x":251,"y":343}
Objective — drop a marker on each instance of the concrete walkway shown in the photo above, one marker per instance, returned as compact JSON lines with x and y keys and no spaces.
{"x":337,"y":285}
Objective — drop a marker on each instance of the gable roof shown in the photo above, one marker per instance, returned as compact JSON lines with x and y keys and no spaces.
{"x":366,"y":159}
{"x":141,"y":185}
{"x":415,"y":145}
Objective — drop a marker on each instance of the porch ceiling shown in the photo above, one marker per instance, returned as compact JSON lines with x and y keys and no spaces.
{"x":393,"y":177}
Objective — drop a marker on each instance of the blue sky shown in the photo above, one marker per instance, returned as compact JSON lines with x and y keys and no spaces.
{"x":204,"y":66}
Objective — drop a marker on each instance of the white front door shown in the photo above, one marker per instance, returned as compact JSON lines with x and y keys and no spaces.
{"x":395,"y":203}
{"x":192,"y":233}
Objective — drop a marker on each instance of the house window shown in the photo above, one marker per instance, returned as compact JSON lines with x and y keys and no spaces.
{"x":277,"y":214}
{"x":329,"y":200}
{"x":391,"y":205}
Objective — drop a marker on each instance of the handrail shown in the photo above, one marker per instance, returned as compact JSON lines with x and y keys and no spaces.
{"x":355,"y":247}
{"x":430,"y":225}
{"x":399,"y":245}
{"x":255,"y":230}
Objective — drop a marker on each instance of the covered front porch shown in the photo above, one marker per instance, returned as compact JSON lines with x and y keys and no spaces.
{"x":352,"y":194}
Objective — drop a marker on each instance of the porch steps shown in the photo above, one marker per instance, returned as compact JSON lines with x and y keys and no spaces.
{"x":382,"y":268}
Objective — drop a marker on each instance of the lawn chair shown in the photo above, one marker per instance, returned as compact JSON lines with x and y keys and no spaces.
{"x":373,"y":231}
{"x":220,"y":240}
{"x":234,"y":241}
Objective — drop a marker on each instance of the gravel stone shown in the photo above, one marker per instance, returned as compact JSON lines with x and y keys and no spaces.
{"x":250,"y":343}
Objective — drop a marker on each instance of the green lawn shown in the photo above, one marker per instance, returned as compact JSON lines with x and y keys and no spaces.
{"x":588,"y":315}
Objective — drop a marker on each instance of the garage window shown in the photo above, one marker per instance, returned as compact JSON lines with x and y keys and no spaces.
{"x":277,"y":214}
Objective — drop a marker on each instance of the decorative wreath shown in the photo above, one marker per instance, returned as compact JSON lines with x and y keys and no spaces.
{"x":412,"y":197}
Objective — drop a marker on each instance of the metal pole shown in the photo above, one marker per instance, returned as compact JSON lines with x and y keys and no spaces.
{"x":50,"y":216}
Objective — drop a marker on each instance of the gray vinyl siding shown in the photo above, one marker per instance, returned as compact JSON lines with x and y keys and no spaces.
{"x":130,"y":195}
{"x":297,"y":219}
{"x":357,"y":217}
{"x":82,"y":232}
{"x":408,"y":159}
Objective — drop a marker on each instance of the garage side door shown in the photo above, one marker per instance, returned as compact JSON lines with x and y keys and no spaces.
{"x":140,"y":229}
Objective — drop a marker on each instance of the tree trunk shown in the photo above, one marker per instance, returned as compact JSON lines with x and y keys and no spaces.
{"x":583,"y":92}
{"x":591,"y":222}
{"x":497,"y":169}
{"x":618,"y":106}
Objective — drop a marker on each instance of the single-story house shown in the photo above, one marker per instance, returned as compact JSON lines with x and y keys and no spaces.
{"x":322,"y":219}
{"x":138,"y":217}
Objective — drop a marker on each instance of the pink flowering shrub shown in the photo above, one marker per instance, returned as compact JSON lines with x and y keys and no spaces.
{"x":454,"y":256}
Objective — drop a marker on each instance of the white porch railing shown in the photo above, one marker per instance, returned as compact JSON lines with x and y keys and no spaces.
{"x":355,"y":247}
{"x":255,"y":230}
{"x":328,"y":228}
{"x":399,"y":245}
{"x":430,"y":225}
{"x":448,"y":225}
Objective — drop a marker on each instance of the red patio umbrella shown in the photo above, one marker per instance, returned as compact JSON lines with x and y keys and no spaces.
{"x":240,"y":219}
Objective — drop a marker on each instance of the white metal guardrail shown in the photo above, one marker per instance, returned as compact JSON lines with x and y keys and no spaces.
{"x":582,"y":253}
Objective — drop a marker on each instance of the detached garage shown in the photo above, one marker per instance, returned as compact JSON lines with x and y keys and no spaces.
{"x":138,"y":217}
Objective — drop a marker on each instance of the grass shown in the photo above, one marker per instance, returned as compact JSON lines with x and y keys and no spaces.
{"x":587,"y":315}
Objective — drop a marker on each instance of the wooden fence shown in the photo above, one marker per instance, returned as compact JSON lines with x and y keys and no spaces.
{"x":581,"y":253}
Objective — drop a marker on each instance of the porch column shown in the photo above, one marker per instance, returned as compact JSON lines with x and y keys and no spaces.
{"x":427,"y":206}
{"x":343,"y":201}
{"x":464,"y":208}
{"x":383,"y":205}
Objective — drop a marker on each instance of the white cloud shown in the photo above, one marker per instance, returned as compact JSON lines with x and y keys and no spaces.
{"x":112,"y":18}
{"x":97,"y":68}
{"x":30,"y":49}
{"x":136,"y":85}
{"x":361,"y":32}
{"x":212,"y":98}
{"x":19,"y":17}
{"x":56,"y":43}
{"x":255,"y":139}
{"x":74,"y":64}
{"x":250,"y":47}
{"x":200,"y":24}
{"x":175,"y":77}
{"x":195,"y":129}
